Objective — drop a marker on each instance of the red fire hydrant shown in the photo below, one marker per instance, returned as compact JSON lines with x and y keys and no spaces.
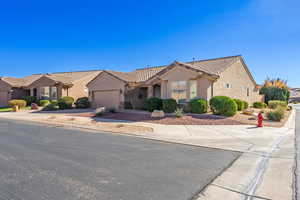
{"x":260,"y":120}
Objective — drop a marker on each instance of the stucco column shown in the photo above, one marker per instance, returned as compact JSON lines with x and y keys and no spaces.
{"x":188,"y":92}
{"x":31,"y":91}
{"x":50,"y":93}
{"x":150,"y":91}
{"x":38,"y":93}
{"x":164,"y":89}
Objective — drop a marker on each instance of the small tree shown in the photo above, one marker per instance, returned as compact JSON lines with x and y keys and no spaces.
{"x":275,"y":89}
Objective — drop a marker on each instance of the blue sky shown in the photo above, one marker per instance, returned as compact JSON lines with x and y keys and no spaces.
{"x":53,"y":36}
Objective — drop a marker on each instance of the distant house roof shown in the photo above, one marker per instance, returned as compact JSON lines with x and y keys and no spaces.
{"x":62,"y":77}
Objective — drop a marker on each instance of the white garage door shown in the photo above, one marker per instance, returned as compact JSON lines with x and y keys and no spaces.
{"x":3,"y":98}
{"x":107,"y":99}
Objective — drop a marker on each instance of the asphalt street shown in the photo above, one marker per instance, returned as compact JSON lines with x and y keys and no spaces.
{"x":39,"y":162}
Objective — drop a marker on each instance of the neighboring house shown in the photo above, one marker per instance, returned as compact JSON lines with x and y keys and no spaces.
{"x":228,"y":76}
{"x":46,"y":86}
{"x":295,"y":94}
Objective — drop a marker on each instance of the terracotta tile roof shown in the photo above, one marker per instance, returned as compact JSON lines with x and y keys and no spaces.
{"x":15,"y":82}
{"x":146,"y":73}
{"x":211,"y":66}
{"x":214,"y":66}
{"x":63,"y":77}
{"x":125,"y":76}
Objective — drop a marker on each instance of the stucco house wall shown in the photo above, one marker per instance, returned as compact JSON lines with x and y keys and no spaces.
{"x":183,"y":74}
{"x":5,"y":95}
{"x":239,"y":81}
{"x":79,"y":88}
{"x":41,"y":82}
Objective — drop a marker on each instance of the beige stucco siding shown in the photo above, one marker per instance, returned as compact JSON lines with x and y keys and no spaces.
{"x":41,"y":82}
{"x":103,"y":85}
{"x":204,"y":90}
{"x":239,"y":81}
{"x":178,"y":73}
{"x":79,"y":88}
{"x":4,"y":93}
{"x":4,"y":98}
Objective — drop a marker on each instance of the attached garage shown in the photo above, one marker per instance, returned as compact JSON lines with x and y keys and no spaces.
{"x":107,"y":90}
{"x":4,"y":98}
{"x":106,"y":98}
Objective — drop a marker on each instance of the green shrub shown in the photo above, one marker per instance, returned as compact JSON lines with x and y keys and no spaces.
{"x":54,"y":102}
{"x":259,"y":105}
{"x":153,"y":103}
{"x":246,"y":105}
{"x":51,"y":107}
{"x":222,"y":105}
{"x":44,"y":103}
{"x":29,"y":99}
{"x":169,"y":105}
{"x":17,"y":102}
{"x":112,"y":110}
{"x":198,"y":106}
{"x":179,"y":113}
{"x":240,"y":104}
{"x":275,"y":93}
{"x":276,"y":115}
{"x":82,"y":102}
{"x":65,"y":103}
{"x":275,"y":104}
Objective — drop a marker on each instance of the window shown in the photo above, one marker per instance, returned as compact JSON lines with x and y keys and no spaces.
{"x":193,"y":89}
{"x":45,"y":92}
{"x":179,"y":91}
{"x":227,"y":85}
{"x":248,"y":92}
{"x":53,"y":92}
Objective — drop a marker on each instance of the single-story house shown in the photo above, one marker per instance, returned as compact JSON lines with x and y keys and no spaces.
{"x":46,"y":86}
{"x":295,"y":94}
{"x":228,"y":76}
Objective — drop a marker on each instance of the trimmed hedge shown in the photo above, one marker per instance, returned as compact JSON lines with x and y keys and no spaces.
{"x":82,"y":102}
{"x":169,"y":105}
{"x":198,"y":106}
{"x":223,"y":105}
{"x":17,"y":102}
{"x":275,"y":104}
{"x":240,"y":104}
{"x":153,"y":103}
{"x":65,"y":103}
{"x":44,"y":103}
{"x":259,"y":105}
{"x":29,"y":99}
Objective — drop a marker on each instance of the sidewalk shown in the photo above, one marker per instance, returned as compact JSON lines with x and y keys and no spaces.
{"x":264,"y":171}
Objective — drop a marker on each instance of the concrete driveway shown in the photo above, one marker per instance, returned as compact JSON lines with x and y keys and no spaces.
{"x":42,"y":162}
